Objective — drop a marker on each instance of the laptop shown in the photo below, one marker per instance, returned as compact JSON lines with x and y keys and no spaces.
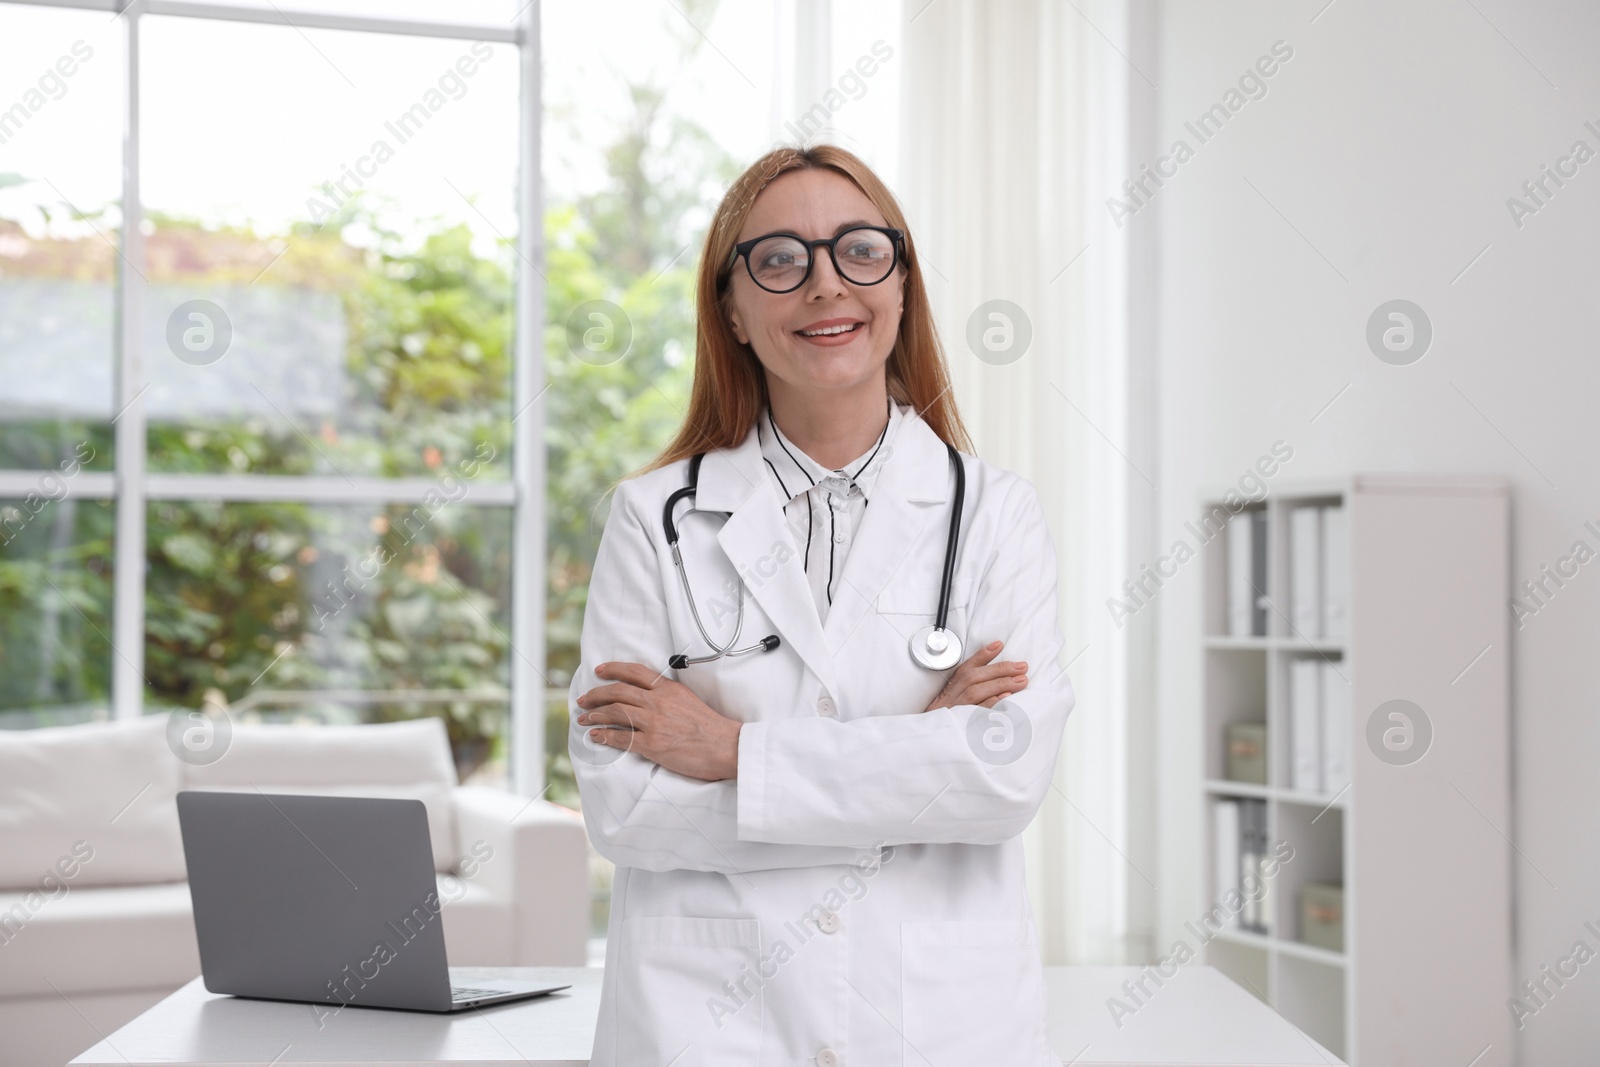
{"x":327,"y":900}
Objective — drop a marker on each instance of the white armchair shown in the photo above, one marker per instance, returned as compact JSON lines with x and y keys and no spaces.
{"x":95,"y":919}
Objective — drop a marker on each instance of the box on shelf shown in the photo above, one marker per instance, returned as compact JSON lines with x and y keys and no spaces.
{"x":1322,"y":915}
{"x":1247,"y":752}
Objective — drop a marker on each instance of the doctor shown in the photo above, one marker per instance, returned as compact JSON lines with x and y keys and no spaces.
{"x":811,"y":783}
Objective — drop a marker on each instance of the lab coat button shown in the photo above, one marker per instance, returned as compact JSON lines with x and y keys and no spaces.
{"x":827,"y":1058}
{"x":828,"y":922}
{"x":825,"y":706}
{"x":838,"y":538}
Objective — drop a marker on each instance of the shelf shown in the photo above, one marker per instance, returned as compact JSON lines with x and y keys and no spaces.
{"x":1267,"y":942}
{"x":1248,"y":938}
{"x":1423,"y":576}
{"x":1299,"y":644}
{"x":1313,"y":953}
{"x":1229,"y":788}
{"x":1341,"y":799}
{"x":1228,"y":643}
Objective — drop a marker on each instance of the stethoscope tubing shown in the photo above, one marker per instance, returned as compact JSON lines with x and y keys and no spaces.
{"x":932,"y":661}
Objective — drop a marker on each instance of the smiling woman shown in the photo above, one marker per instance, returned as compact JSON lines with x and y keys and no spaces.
{"x":734,"y":785}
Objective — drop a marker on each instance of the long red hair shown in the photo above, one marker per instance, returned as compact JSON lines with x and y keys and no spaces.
{"x":730,"y":387}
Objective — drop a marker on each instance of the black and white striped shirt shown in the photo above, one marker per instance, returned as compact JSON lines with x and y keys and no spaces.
{"x":824,"y":508}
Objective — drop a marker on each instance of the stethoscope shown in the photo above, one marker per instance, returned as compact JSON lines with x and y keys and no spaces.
{"x":933,"y":647}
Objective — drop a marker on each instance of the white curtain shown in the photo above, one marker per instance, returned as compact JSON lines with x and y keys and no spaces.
{"x":1014,"y":119}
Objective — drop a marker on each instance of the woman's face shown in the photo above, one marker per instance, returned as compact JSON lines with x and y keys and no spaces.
{"x":814,"y":204}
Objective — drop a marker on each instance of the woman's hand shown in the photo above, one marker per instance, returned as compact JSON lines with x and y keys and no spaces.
{"x":669,"y":724}
{"x":977,"y":681}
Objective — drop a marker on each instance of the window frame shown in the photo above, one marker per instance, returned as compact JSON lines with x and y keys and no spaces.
{"x":132,"y":487}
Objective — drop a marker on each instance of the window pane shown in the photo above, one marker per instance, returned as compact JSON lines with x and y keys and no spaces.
{"x":60,"y":162}
{"x":336,"y":613}
{"x":55,"y":606}
{"x":330,"y":254}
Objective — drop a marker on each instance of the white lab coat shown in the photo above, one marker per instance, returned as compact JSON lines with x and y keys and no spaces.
{"x":856,"y":895}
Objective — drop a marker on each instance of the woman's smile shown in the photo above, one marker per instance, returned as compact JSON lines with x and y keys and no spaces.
{"x":830,"y":333}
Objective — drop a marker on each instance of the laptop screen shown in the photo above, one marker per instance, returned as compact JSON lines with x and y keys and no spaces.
{"x":330,"y":900}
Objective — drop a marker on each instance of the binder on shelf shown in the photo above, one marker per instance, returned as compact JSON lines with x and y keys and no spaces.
{"x":1253,"y":886}
{"x":1336,"y":727}
{"x":1225,"y":839}
{"x":1241,"y":597}
{"x":1248,"y":861}
{"x":1263,"y":846}
{"x":1305,"y":724}
{"x":1247,"y":574}
{"x":1258,"y":572}
{"x":1305,"y":572}
{"x":1335,"y":573}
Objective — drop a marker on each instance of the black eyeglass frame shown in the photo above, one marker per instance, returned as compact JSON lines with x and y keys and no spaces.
{"x":743,"y":248}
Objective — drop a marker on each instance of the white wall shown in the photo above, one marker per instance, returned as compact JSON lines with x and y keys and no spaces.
{"x":1378,"y":166}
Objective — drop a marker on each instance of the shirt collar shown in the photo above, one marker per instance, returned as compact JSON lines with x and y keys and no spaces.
{"x":797,"y":472}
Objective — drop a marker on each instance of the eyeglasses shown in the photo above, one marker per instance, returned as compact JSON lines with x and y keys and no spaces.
{"x":781,"y":262}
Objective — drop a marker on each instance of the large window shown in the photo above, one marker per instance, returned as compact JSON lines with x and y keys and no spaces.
{"x":270,"y":423}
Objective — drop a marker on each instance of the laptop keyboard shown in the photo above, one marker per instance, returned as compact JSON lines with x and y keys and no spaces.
{"x":461,"y":993}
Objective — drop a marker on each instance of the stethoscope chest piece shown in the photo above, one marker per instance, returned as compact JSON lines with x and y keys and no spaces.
{"x":935,"y":648}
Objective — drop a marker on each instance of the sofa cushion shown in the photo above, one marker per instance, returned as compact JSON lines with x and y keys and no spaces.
{"x":102,"y":938}
{"x":477,"y":923}
{"x":399,"y":759}
{"x":89,"y":805}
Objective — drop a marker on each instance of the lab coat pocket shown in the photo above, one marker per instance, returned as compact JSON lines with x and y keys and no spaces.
{"x":672,"y":1006}
{"x":905,"y":609}
{"x":973,"y":994}
{"x":923,"y":600}
{"x":900,"y":611}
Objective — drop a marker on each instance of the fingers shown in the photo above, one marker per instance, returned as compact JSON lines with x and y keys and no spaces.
{"x":998,"y":697}
{"x":615,"y":737}
{"x":1011,"y":683}
{"x":613,"y":693}
{"x":980,"y":680}
{"x":634,"y":673}
{"x":992,"y":672}
{"x":611,"y":715}
{"x":981,"y":658}
{"x":1003,"y":669}
{"x":984,"y":654}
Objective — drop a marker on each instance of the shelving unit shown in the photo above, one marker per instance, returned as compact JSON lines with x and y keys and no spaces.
{"x":1419,"y":848}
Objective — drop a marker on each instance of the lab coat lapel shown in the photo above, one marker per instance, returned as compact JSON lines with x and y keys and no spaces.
{"x":914,"y":480}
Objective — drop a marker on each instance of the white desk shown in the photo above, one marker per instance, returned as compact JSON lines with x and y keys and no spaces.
{"x":1197,"y":1018}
